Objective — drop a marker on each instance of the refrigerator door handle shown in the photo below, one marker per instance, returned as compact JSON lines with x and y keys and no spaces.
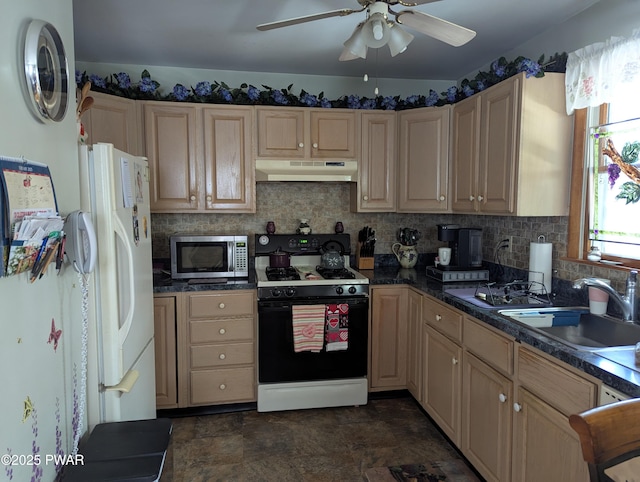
{"x":122,"y":234}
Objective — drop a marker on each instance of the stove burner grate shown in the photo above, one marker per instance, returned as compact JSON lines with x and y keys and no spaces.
{"x":282,"y":274}
{"x":339,"y":273}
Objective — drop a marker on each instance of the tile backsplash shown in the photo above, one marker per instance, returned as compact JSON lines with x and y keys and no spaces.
{"x":325,"y":203}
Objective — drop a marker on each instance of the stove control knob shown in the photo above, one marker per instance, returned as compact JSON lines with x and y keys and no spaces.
{"x":290,"y":292}
{"x":339,"y":290}
{"x":352,"y":290}
{"x":277,"y":292}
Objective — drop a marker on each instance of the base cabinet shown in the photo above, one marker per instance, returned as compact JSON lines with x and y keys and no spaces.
{"x":164,"y":324}
{"x":388,"y":340}
{"x":205,"y":348}
{"x":414,"y":341}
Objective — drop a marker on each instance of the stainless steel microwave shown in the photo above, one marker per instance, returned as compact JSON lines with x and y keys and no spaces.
{"x":198,"y":256}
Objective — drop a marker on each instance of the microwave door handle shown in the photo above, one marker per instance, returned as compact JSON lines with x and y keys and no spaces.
{"x":231,"y":255}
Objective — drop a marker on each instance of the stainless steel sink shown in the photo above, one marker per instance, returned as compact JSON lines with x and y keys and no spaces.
{"x":576,"y":327}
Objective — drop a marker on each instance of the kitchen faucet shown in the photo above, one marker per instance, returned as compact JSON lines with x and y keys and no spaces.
{"x":627,"y":302}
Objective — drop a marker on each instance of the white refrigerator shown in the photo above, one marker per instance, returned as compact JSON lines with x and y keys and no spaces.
{"x":120,"y":345}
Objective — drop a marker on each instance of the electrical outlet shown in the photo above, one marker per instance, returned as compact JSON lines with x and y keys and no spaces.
{"x":508,"y":244}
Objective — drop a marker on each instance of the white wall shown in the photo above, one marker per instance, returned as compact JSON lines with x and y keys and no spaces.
{"x":333,"y":87}
{"x":29,"y":365}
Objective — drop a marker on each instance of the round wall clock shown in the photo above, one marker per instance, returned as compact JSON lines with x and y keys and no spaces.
{"x":46,"y":71}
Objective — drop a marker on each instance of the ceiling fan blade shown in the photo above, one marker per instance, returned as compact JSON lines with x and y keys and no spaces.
{"x":436,"y":27}
{"x":307,"y":18}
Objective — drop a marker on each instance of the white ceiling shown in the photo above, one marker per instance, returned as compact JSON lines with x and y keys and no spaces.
{"x":222,"y":35}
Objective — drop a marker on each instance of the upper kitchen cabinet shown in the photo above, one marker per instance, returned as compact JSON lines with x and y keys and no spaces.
{"x":200,"y":157}
{"x":301,"y":133}
{"x":171,"y":138}
{"x":512,"y":149}
{"x":228,"y":167}
{"x":423,"y":170}
{"x":375,"y":190}
{"x":113,"y":120}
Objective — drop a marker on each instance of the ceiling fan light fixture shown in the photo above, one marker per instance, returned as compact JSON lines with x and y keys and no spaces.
{"x":355,"y":46}
{"x":376,"y":31}
{"x":399,"y":39}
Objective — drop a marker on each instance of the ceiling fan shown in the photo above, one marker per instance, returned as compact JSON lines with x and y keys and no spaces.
{"x":378,"y":29}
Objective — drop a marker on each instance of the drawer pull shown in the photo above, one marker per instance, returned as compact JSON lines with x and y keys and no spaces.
{"x":300,"y":144}
{"x":221,"y":306}
{"x":517,"y":407}
{"x":223,"y":386}
{"x":222,"y":356}
{"x":502,"y":397}
{"x":222,"y":331}
{"x":438,"y":317}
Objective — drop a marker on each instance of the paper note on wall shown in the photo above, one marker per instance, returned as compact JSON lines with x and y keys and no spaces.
{"x":127,"y":193}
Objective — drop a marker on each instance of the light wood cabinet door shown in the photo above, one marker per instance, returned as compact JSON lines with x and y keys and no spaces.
{"x":545,"y":445}
{"x":228,"y":167}
{"x":441,"y":384}
{"x":414,"y":344}
{"x":164,"y":323}
{"x":281,"y":133}
{"x":171,"y":139}
{"x":388,"y":338}
{"x":498,"y":155}
{"x":465,"y":153}
{"x":486,"y":419}
{"x":114,"y":120}
{"x":423,"y":161}
{"x":333,"y":134}
{"x":375,"y":190}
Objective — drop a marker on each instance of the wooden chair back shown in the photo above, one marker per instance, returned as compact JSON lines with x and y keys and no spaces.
{"x":610,"y":439}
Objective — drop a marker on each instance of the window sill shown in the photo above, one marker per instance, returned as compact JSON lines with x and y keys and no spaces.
{"x":621,"y":267}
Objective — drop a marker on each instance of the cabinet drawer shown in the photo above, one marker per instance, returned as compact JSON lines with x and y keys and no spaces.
{"x":222,"y":385}
{"x":203,"y":356}
{"x":491,"y":347}
{"x":220,"y":305}
{"x":446,"y":320}
{"x":564,"y":390}
{"x":221,"y":330}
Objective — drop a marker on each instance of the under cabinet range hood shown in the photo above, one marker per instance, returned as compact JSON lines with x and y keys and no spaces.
{"x":317,"y":170}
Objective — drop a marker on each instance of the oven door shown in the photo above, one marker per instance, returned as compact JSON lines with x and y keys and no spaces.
{"x":277,"y":360}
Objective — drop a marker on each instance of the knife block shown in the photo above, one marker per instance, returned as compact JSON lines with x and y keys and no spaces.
{"x":362,"y":261}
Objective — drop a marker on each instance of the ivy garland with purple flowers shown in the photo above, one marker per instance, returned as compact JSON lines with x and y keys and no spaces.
{"x":120,"y":84}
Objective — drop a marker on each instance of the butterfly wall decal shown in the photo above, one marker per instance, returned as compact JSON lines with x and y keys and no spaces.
{"x":28,"y":409}
{"x":55,"y":335}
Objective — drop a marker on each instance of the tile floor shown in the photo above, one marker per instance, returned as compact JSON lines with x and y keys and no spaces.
{"x":330,"y":444}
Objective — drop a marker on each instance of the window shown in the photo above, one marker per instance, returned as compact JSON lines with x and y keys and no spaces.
{"x":610,"y":196}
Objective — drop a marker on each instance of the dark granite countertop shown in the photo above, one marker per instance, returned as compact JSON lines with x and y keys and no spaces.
{"x":613,"y":374}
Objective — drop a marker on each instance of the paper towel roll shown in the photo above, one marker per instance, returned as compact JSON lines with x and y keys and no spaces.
{"x":540,"y":266}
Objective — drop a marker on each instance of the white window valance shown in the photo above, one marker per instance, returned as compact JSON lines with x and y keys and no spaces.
{"x":602,"y":72}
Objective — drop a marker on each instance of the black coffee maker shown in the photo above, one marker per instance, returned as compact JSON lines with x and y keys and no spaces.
{"x":465,"y":244}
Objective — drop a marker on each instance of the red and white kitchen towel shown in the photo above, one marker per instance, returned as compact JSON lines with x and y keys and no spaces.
{"x":308,"y":327}
{"x":337,"y":328}
{"x":315,"y":326}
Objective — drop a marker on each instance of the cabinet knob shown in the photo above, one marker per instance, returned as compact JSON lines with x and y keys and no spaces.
{"x":192,"y":198}
{"x":442,"y":198}
{"x":471,"y":198}
{"x":502,"y":397}
{"x":223,"y":386}
{"x":222,"y":331}
{"x":221,"y":306}
{"x":480,"y":198}
{"x":454,"y":361}
{"x":222,"y":356}
{"x":438,"y":317}
{"x":301,"y":144}
{"x":517,"y":407}
{"x":366,"y":198}
{"x":208,"y":199}
{"x":315,"y":145}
